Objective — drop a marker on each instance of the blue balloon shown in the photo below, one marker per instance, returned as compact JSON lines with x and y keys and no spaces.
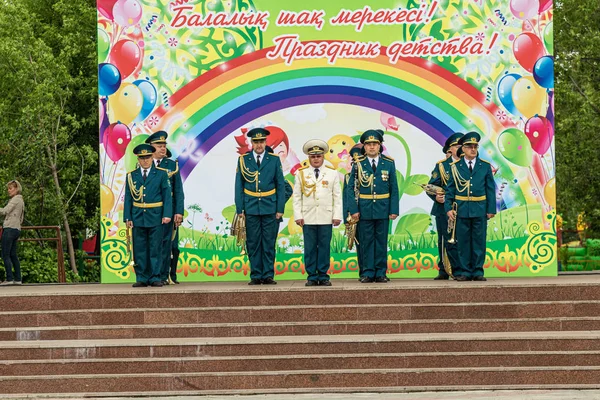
{"x":149,"y":93}
{"x":109,"y":79}
{"x":505,"y":87}
{"x":543,"y":72}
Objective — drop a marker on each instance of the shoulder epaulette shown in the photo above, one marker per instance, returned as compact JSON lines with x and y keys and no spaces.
{"x":302,"y":168}
{"x":452,"y":163}
{"x":330,"y":167}
{"x":163,"y":169}
{"x":273,"y":154}
{"x":360,"y":158}
{"x":486,"y":161}
{"x":387,"y":158}
{"x":441,"y":161}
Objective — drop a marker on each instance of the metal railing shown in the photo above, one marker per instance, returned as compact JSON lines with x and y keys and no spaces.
{"x":59,"y":246}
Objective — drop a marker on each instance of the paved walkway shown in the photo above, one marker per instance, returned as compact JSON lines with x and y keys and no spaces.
{"x":473,"y":395}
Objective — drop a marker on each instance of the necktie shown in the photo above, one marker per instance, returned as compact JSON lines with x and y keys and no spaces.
{"x":374,"y":166}
{"x":157,"y":163}
{"x":258,"y":160}
{"x":316,"y":173}
{"x":145,"y":174}
{"x":471,"y":166}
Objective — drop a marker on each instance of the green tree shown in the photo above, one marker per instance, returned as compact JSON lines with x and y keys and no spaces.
{"x":577,"y":44}
{"x":48,"y":111}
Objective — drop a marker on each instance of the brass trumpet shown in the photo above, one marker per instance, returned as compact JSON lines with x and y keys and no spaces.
{"x":351,"y":232}
{"x":452,"y":225}
{"x":432,"y":189}
{"x":129,"y":241}
{"x":238,"y":230}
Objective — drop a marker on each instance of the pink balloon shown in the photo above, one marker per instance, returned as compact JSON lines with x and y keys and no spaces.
{"x":105,"y":7}
{"x":540,"y":132}
{"x":524,"y":9}
{"x":126,"y":56}
{"x":127,"y":12}
{"x":116,"y":137}
{"x":528,"y":48}
{"x":545,"y":5}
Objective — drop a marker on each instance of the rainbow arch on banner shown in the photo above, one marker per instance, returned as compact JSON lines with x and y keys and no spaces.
{"x":222,"y":100}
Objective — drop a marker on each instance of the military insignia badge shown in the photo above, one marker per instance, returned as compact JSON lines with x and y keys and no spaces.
{"x":434,"y":175}
{"x":325,"y":184}
{"x":385,"y":176}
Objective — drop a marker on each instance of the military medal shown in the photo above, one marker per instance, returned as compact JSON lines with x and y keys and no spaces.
{"x":384,"y":176}
{"x":325,"y":184}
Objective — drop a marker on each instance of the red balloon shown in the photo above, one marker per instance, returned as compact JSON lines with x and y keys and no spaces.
{"x":540,"y":132}
{"x":116,"y":137}
{"x":528,"y":48}
{"x":106,"y":8}
{"x":126,"y":56}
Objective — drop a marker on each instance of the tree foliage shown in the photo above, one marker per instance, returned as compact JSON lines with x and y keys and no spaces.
{"x":48,"y":111}
{"x":577,"y":101}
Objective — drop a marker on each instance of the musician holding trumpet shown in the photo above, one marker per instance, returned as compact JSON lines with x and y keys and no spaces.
{"x":317,"y":201}
{"x":471,"y":186}
{"x":440,"y":175}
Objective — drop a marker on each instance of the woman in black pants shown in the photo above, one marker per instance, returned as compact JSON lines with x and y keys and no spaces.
{"x":13,"y":218}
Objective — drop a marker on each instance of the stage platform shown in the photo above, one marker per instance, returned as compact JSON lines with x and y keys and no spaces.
{"x":231,"y":338}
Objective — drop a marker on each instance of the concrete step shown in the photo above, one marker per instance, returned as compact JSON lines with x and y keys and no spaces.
{"x":283,"y":345}
{"x":235,"y":294}
{"x":299,"y":328}
{"x":347,"y":312}
{"x":363,"y":378}
{"x":310,"y":362}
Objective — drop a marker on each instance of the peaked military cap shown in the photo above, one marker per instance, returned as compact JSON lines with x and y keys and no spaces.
{"x":159,"y":137}
{"x":315,"y":147}
{"x":356,"y":151}
{"x":470,"y":138}
{"x":169,"y":154}
{"x":372,"y":136}
{"x":452,"y":141}
{"x":143,"y":150}
{"x":258,"y":134}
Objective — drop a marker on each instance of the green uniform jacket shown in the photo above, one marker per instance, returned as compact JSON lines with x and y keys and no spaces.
{"x":142,"y":207}
{"x":439,"y":177}
{"x":259,"y":191}
{"x":477,"y":198}
{"x":172,"y":169}
{"x":378,"y":192}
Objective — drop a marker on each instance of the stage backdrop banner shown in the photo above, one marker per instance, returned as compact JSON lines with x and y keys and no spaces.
{"x":208,"y":71}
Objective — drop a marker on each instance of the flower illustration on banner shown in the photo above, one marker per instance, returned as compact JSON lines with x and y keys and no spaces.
{"x":294,"y":250}
{"x":479,"y":37}
{"x":172,"y":42}
{"x":501,"y":115}
{"x":153,"y":120}
{"x":283,"y":242}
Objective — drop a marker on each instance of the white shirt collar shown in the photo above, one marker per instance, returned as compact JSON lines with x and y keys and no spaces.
{"x":376,"y":159}
{"x":262,"y":156}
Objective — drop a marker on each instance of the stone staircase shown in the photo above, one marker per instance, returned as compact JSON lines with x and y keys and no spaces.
{"x":102,"y":340}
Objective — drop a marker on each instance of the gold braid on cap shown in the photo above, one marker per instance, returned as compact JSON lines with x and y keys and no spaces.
{"x":462,"y":184}
{"x":249,"y":176}
{"x":137,"y":194}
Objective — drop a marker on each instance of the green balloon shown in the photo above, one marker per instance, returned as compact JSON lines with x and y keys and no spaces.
{"x":549,"y":37}
{"x":130,"y":158}
{"x":515,"y":147}
{"x":103,"y":45}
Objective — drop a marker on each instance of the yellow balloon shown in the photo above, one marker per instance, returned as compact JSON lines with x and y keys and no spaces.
{"x":550,"y":192}
{"x":107,"y":199}
{"x":529,"y":97}
{"x":125,"y":104}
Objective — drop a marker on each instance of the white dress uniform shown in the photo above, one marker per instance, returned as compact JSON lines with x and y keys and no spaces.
{"x":317,"y":201}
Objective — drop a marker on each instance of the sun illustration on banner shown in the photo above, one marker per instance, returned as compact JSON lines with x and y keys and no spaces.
{"x":207,"y":71}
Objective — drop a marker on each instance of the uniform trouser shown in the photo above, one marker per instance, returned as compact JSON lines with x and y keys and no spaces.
{"x":175,"y":259}
{"x":261,"y":234}
{"x":441,"y":223}
{"x":147,"y":253}
{"x":471,"y":235}
{"x":166,"y":250}
{"x":373,"y":236}
{"x":317,"y":251}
